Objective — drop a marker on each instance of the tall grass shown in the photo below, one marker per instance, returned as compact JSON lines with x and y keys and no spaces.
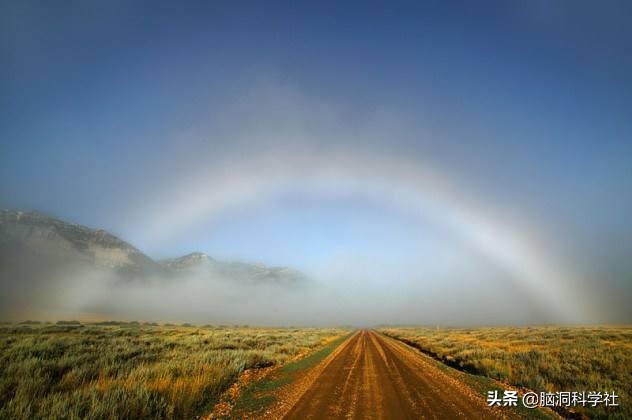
{"x":71,"y":371}
{"x":539,"y":358}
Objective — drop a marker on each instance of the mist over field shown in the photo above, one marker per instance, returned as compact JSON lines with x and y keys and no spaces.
{"x":59,"y":270}
{"x":81,"y":291}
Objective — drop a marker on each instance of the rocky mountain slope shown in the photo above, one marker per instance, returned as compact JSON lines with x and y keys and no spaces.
{"x":41,"y":236}
{"x":29,"y":237}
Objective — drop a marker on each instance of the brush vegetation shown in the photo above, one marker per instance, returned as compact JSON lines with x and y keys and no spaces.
{"x":538,"y":358}
{"x":131,"y":370}
{"x":257,"y":397}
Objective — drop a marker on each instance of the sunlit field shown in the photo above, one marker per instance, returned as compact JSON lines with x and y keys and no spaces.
{"x":134,"y":370}
{"x":537,"y":358}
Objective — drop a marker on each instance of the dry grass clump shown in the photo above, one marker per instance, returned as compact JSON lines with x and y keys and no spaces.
{"x":539,"y":358}
{"x":131,"y":370}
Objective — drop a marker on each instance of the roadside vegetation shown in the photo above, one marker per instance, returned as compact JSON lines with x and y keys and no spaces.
{"x":129,"y":370}
{"x":537,"y":358}
{"x":256,"y":398}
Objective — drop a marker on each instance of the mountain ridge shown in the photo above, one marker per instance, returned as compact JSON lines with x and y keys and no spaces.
{"x":41,"y":234}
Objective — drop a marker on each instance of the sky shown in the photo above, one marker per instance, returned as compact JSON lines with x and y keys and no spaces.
{"x":454,"y":152}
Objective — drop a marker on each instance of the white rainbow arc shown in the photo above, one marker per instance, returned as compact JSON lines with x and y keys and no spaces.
{"x":393,"y":181}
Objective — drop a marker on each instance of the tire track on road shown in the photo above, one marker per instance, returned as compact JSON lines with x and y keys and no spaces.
{"x":376,"y":377}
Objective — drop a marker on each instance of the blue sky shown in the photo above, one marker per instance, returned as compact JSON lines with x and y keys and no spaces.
{"x":112,"y":111}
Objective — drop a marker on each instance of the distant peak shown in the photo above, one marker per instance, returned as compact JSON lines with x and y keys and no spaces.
{"x":187,"y":261}
{"x":195,"y":256}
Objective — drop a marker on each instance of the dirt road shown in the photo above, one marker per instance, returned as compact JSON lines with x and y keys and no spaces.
{"x":377,"y":377}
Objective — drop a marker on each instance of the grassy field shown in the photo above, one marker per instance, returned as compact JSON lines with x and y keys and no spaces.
{"x":92,"y":371}
{"x":538,"y":358}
